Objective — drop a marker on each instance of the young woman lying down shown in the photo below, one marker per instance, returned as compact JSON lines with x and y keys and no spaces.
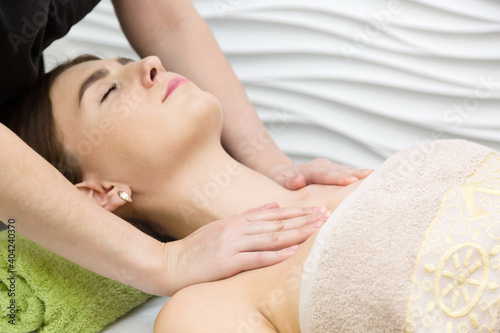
{"x":411,"y":248}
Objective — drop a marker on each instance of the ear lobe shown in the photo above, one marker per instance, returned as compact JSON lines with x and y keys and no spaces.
{"x":105,"y":194}
{"x":112,"y":200}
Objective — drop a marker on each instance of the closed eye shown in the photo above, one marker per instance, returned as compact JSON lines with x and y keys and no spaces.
{"x":113,"y":87}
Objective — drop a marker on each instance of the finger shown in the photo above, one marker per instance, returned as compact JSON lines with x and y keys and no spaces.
{"x":278,"y":240}
{"x":269,"y":205}
{"x":327,"y":176}
{"x":346,"y":179}
{"x":356,"y":172}
{"x":287,"y":179}
{"x":253,"y":260}
{"x":351,"y":175}
{"x":261,"y":227}
{"x":362,"y":173}
{"x":293,"y":181}
{"x":298,"y":182}
{"x":282,"y":213}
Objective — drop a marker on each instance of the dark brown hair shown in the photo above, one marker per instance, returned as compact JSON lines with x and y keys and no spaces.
{"x":31,"y":118}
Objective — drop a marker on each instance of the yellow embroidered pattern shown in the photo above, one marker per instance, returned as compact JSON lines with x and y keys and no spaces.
{"x":456,"y":283}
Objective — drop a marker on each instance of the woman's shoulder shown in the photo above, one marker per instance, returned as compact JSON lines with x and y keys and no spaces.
{"x":211,"y":307}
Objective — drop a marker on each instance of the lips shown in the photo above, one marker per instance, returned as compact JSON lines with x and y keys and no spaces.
{"x":173,"y":84}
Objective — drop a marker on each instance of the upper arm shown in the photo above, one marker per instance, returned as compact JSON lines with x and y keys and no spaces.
{"x":210,"y":307}
{"x":147,"y":22}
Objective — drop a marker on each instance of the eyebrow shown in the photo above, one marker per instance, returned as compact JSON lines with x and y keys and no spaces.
{"x":99,"y":74}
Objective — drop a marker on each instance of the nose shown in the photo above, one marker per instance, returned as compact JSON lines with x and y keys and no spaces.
{"x":150,"y":67}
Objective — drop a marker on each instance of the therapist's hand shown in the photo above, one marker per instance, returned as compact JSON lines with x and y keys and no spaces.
{"x":260,"y":237}
{"x":318,"y":171}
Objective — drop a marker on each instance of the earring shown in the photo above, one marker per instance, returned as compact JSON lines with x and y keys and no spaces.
{"x":124,"y":196}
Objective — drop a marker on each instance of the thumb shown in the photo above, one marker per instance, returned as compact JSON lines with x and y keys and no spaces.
{"x":269,"y":205}
{"x":294,"y":182}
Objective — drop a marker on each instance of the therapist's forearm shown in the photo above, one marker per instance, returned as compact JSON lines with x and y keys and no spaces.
{"x":174,"y":31}
{"x":50,"y":211}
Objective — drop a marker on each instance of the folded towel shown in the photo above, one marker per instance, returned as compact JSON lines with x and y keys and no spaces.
{"x":414,"y":249}
{"x":51,"y":294}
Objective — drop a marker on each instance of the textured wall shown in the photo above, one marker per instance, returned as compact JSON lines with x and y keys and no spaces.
{"x":353,"y":81}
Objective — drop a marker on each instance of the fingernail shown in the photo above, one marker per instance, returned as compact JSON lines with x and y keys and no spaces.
{"x":320,"y":209}
{"x":352,"y":179}
{"x":293,"y":249}
{"x":326,"y":214}
{"x":318,"y":224}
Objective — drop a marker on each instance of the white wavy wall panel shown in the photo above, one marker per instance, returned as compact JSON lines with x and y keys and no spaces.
{"x":351,"y":81}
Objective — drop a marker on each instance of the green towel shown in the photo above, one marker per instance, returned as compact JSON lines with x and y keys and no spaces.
{"x":53,"y":294}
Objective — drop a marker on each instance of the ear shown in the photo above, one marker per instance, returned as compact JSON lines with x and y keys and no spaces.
{"x":104,"y":193}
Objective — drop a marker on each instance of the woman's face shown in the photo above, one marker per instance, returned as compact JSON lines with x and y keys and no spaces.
{"x":124,"y":118}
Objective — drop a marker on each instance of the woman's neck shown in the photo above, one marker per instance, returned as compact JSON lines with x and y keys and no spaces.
{"x":211,"y":186}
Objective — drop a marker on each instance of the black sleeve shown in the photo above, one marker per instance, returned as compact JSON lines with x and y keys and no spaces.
{"x":27,"y":27}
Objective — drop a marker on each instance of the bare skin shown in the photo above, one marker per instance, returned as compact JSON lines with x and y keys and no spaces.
{"x":166,"y":153}
{"x":51,"y":212}
{"x":175,"y":32}
{"x":261,"y":301}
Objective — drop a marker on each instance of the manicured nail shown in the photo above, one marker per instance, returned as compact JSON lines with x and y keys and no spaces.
{"x":326,"y":214}
{"x":318,"y":224}
{"x":320,"y":209}
{"x":293,"y":249}
{"x":352,"y":179}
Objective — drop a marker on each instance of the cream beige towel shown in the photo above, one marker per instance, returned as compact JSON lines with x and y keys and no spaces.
{"x":413,"y":249}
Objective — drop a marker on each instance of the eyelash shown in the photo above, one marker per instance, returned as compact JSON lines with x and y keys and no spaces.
{"x":113,"y":87}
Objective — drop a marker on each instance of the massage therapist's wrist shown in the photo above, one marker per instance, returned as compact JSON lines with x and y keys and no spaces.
{"x":168,"y":272}
{"x":266,"y":160}
{"x":271,"y":168}
{"x":146,"y":268}
{"x":250,"y":149}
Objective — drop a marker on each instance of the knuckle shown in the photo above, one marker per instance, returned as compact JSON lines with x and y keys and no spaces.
{"x":273,"y":237}
{"x":280,"y":213}
{"x":259,"y":257}
{"x":223,"y":227}
{"x":227,"y":228}
{"x":323,"y":172}
{"x":312,"y":217}
{"x":280,"y":225}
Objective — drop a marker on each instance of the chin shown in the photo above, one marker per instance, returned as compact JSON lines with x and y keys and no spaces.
{"x":199,"y":117}
{"x":206,"y":100}
{"x":206,"y":107}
